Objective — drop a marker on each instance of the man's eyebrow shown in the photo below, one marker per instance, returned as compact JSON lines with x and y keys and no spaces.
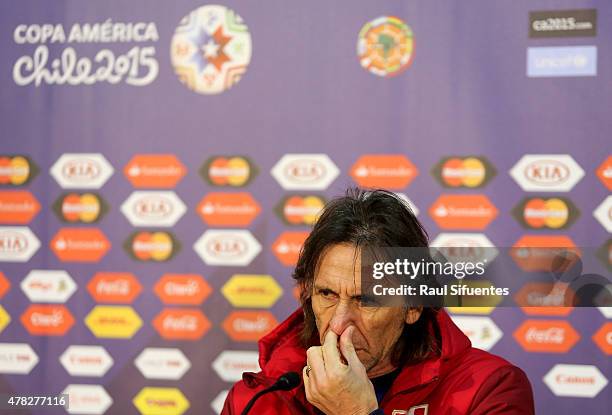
{"x":318,"y":287}
{"x":323,"y":287}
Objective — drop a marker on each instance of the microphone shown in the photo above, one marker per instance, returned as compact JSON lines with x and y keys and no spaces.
{"x":286,"y":382}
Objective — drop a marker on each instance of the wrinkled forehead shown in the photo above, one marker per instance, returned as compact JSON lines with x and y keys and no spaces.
{"x":339,"y":266}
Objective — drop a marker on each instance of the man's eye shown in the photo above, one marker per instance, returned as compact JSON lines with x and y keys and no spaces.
{"x":326,"y":293}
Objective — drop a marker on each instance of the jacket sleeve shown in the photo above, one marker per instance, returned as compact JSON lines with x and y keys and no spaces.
{"x":507,"y":391}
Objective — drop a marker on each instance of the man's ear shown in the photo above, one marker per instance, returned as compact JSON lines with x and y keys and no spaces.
{"x":413,"y":314}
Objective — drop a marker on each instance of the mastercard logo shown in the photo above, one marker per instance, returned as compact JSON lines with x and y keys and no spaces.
{"x":17,"y":207}
{"x":181,"y":324}
{"x":463,"y":172}
{"x":80,"y":207}
{"x":233,"y":171}
{"x":16,"y":170}
{"x":300,"y":209}
{"x":152,"y":246}
{"x":604,"y":172}
{"x":545,"y":213}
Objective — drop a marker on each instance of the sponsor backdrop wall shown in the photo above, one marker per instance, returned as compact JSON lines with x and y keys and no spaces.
{"x":162,"y":162}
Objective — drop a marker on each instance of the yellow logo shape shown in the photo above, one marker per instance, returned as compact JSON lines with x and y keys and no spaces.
{"x":160,"y":401}
{"x":5,"y":319}
{"x":252,"y":291}
{"x":474,"y":304}
{"x":117,"y":322}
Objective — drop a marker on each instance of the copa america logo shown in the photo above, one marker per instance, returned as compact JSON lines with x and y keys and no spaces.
{"x":385,"y":46}
{"x":211,"y":49}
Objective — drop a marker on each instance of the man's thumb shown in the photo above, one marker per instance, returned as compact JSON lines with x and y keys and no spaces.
{"x":346,"y":345}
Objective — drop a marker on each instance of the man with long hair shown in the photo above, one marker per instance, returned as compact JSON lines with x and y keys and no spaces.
{"x":363,"y":360}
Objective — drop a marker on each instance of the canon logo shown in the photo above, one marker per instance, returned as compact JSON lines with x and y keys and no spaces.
{"x":85,"y":360}
{"x":305,"y":170}
{"x":574,"y":379}
{"x":84,"y":400}
{"x":13,"y":242}
{"x":83,"y":169}
{"x":240,"y":366}
{"x":16,"y":357}
{"x":547,"y":172}
{"x":554,"y":335}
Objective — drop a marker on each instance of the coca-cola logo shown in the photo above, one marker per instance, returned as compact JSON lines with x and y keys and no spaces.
{"x":117,"y":287}
{"x":554,"y":335}
{"x":183,"y":323}
{"x":547,"y":172}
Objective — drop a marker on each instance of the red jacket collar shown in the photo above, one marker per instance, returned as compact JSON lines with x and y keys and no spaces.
{"x":281,"y":351}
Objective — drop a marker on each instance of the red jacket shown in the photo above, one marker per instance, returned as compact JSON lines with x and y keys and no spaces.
{"x":461,"y":380}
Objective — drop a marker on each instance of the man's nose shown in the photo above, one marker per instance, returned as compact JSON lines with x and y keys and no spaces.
{"x":344,"y":315}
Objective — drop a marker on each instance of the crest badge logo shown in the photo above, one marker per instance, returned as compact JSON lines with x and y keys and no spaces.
{"x":385,"y":46}
{"x":211,"y":49}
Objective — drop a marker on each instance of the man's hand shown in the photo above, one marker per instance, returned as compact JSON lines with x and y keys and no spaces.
{"x":335,"y":387}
